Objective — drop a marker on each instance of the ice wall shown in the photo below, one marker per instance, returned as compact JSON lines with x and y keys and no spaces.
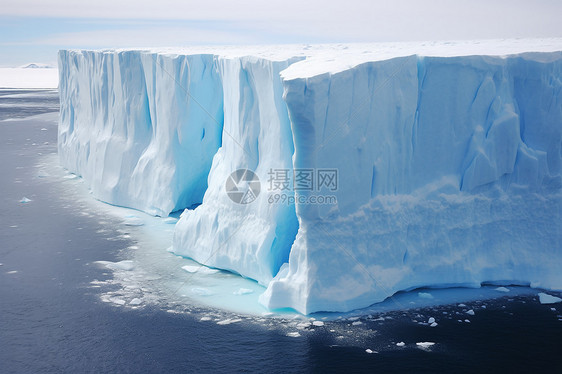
{"x":141,"y":128}
{"x":449,"y":161}
{"x":449,"y":174}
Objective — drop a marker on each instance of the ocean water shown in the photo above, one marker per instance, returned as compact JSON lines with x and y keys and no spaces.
{"x":61,"y":311}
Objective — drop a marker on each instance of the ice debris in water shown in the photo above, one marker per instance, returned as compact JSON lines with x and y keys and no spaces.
{"x":135,"y":301}
{"x":318,"y":323}
{"x":202,"y":291}
{"x":25,"y":200}
{"x":243,"y":291}
{"x":229,"y":321}
{"x":121,"y":265}
{"x":133,"y":221}
{"x":400,"y":344}
{"x":199,"y":269}
{"x":295,"y":334}
{"x":548,"y":299}
{"x":370,"y":351}
{"x":470,"y":312}
{"x":425,"y":295}
{"x":425,"y":345}
{"x":502,"y":289}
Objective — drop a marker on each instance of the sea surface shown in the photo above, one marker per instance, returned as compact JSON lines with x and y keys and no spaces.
{"x":59,"y":312}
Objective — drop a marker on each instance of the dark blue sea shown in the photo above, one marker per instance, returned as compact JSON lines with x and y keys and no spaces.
{"x":53,"y":321}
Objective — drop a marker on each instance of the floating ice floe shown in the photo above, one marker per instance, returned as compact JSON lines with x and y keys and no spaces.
{"x":425,"y":295}
{"x":425,"y":344}
{"x":25,"y":200}
{"x":243,"y":291}
{"x":470,"y":312}
{"x":318,"y":323}
{"x":548,"y":299}
{"x":199,"y":269}
{"x":400,"y":344}
{"x":133,"y":221}
{"x":135,"y":301}
{"x":121,"y":265}
{"x":229,"y":321}
{"x":370,"y":351}
{"x":502,"y":289}
{"x":294,"y":334}
{"x":200,"y":291}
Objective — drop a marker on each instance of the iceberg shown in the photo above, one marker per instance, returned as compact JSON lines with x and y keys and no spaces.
{"x":333,"y":175}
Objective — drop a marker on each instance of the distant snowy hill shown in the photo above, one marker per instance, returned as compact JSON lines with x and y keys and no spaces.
{"x":373,"y":168}
{"x":31,"y":75}
{"x":36,"y":65}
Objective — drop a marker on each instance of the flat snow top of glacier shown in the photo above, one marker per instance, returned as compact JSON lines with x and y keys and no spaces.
{"x":333,"y":58}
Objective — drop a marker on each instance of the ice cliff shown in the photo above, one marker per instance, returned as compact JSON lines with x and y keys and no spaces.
{"x":447,"y":160}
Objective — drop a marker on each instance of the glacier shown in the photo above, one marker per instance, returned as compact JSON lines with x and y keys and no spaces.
{"x":447,"y":156}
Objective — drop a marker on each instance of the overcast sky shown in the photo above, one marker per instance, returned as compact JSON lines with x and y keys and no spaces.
{"x":33,"y":30}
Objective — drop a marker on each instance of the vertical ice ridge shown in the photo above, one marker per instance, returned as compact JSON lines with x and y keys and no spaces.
{"x":252,"y":239}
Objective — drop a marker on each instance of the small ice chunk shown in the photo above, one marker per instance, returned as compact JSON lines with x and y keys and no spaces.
{"x":202,"y":291}
{"x":502,"y":289}
{"x":126,"y":265}
{"x":425,"y":295}
{"x":467,"y":320}
{"x":229,"y":321}
{"x":370,"y":351}
{"x":400,"y":344}
{"x":461,"y":305}
{"x":43,"y":129}
{"x":70,"y":176}
{"x":135,"y":301}
{"x":425,"y":344}
{"x":12,"y":272}
{"x":25,"y":200}
{"x":431,"y":320}
{"x":357,"y":323}
{"x":199,"y":269}
{"x":294,"y":334}
{"x":553,"y":309}
{"x":203,"y":319}
{"x":548,"y":299}
{"x":433,"y":324}
{"x":470,"y":312}
{"x":243,"y":291}
{"x":318,"y":323}
{"x":133,"y":221}
{"x":117,"y":301}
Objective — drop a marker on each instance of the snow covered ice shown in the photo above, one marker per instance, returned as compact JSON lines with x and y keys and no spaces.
{"x":448,"y":159}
